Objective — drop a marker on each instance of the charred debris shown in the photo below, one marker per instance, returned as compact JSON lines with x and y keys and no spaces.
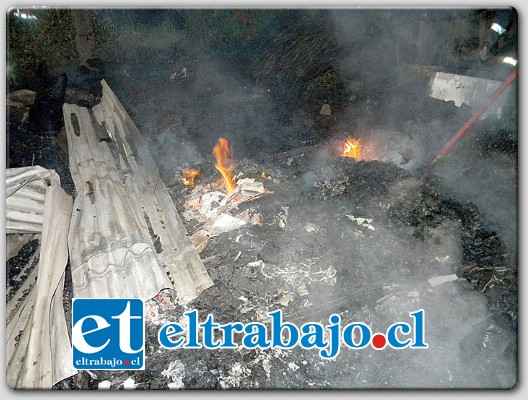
{"x":295,"y":146}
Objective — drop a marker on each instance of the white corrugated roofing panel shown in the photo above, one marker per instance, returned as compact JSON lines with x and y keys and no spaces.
{"x":38,"y":350}
{"x":126,"y":238}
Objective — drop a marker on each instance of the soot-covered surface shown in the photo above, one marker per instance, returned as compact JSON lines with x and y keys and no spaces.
{"x":369,"y":240}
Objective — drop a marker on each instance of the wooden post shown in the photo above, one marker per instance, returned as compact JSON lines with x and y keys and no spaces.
{"x":84,"y":35}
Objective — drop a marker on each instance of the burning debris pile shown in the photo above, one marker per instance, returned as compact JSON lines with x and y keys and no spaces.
{"x":215,"y":203}
{"x":330,"y":228}
{"x":364,"y":239}
{"x":352,"y":148}
{"x":293,"y":213}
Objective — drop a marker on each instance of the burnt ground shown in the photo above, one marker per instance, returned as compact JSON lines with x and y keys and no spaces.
{"x":311,"y":257}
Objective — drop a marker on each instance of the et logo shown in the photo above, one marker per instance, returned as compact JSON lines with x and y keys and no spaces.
{"x":108,"y":334}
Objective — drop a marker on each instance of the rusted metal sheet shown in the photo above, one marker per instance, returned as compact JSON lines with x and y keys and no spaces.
{"x":126,"y":238}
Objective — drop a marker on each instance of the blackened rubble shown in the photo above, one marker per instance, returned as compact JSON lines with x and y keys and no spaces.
{"x":319,"y":262}
{"x":18,"y":268}
{"x":369,"y":240}
{"x":310,"y":257}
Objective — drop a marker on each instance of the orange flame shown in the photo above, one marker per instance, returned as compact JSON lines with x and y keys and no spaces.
{"x":224,"y":164}
{"x":189,"y":175}
{"x":352,"y":148}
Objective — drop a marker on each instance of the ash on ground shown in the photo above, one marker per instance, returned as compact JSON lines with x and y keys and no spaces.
{"x":370,"y":240}
{"x":363,"y":239}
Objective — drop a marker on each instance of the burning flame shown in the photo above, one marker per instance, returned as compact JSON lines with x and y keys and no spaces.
{"x":223,"y":155}
{"x":352,"y":148}
{"x":189,"y":175}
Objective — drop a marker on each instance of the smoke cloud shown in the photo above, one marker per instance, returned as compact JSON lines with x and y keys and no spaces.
{"x":382,"y":273}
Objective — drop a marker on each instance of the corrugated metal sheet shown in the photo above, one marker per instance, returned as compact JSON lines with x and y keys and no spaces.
{"x":25,"y":193}
{"x":469,"y":90}
{"x":126,"y":238}
{"x":38,"y":348}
